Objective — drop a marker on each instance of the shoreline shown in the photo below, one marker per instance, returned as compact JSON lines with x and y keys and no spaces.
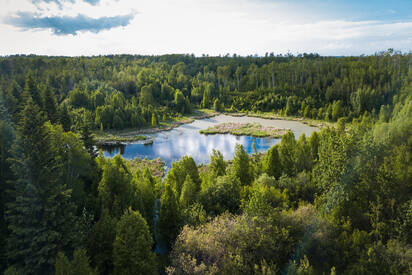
{"x":245,"y":129}
{"x":128,"y":136}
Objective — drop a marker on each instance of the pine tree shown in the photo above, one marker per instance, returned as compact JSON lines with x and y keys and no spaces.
{"x":132,"y":248}
{"x":168,"y":224}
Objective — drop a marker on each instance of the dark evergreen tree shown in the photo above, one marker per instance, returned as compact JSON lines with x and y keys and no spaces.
{"x":49,"y":104}
{"x":169,"y":218}
{"x":40,"y":215}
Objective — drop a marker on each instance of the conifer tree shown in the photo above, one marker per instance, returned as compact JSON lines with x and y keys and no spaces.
{"x":132,"y":248}
{"x":189,"y":192}
{"x":271,"y":164}
{"x":287,"y":153}
{"x":31,"y":90}
{"x":64,"y":118}
{"x":80,"y":264}
{"x":217,"y":163}
{"x":40,"y":214}
{"x":168,"y":224}
{"x":100,"y":243}
{"x":87,"y":138}
{"x":242,"y":168}
{"x":49,"y":104}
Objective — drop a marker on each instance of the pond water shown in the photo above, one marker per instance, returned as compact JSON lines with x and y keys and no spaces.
{"x":172,"y":145}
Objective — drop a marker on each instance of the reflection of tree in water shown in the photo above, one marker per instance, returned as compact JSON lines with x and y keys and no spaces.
{"x":113,"y":149}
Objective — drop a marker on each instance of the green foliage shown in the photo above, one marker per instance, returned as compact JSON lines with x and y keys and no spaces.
{"x":189,"y":192}
{"x":221,"y":195}
{"x":132,"y":248}
{"x":100,"y":243}
{"x":169,"y":217}
{"x":217,"y":164}
{"x":115,"y":189}
{"x":242,"y":167}
{"x":271,"y":163}
{"x":79,"y":265}
{"x":40,"y":214}
{"x":178,"y":173}
{"x":287,"y":153}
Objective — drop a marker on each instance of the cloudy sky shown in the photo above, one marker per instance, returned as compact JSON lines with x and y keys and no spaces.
{"x":94,"y":27}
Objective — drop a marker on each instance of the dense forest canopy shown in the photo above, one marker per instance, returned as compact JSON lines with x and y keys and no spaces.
{"x":337,"y":202}
{"x":124,"y":91}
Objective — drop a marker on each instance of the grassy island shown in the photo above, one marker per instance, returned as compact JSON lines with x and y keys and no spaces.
{"x":245,"y":129}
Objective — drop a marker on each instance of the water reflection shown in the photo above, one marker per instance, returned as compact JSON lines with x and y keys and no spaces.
{"x":171,"y":145}
{"x":198,"y":146}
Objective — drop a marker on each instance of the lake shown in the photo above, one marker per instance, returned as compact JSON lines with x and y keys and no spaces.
{"x":172,"y":145}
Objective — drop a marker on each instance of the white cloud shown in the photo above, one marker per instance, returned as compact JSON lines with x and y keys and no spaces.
{"x":211,"y":27}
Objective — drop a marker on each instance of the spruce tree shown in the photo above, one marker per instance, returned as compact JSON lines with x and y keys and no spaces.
{"x":100,"y":243}
{"x":168,"y":224}
{"x":40,"y":214}
{"x":31,"y":90}
{"x":87,"y":138}
{"x":132,"y":248}
{"x":64,"y":118}
{"x":50,"y":104}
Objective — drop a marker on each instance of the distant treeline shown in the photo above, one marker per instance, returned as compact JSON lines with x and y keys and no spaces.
{"x":124,"y":91}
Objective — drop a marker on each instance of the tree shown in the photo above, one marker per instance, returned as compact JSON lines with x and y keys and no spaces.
{"x":132,"y":248}
{"x":169,"y":219}
{"x":79,"y":266}
{"x":216,"y":105}
{"x":177,"y":175}
{"x":87,"y":137}
{"x":31,"y":90}
{"x":154,"y":120}
{"x":217,"y":163}
{"x":271,"y":163}
{"x":100,"y":243}
{"x":180,"y":101}
{"x":40,"y":214}
{"x":304,"y":160}
{"x":242,"y":168}
{"x":287,"y":153}
{"x":146,"y":97}
{"x":189,"y":192}
{"x":64,"y":118}
{"x":115,"y":189}
{"x":337,"y":110}
{"x":221,"y":195}
{"x":49,"y":104}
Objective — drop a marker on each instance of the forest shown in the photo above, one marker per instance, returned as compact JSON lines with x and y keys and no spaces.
{"x":336,"y":202}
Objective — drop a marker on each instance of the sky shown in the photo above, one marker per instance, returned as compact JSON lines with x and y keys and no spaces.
{"x":212,"y":27}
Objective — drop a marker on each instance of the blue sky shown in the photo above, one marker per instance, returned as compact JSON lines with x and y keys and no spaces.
{"x":93,"y":27}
